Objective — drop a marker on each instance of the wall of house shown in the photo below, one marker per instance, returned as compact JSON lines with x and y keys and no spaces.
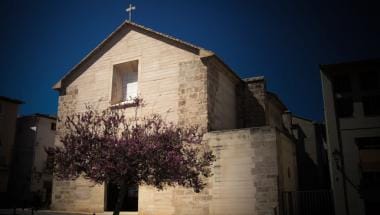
{"x":342,"y":134}
{"x":353,"y":169}
{"x":244,"y":181}
{"x":41,"y":180}
{"x":8,"y":116}
{"x":45,"y":138}
{"x":28,"y":173}
{"x":22,"y":162}
{"x":311,"y":154}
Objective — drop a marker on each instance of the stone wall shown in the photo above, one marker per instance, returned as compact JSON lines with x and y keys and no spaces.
{"x":252,"y":102}
{"x":192,"y":93}
{"x":246,"y":174}
{"x":66,"y":105}
{"x":275,"y":111}
{"x":288,"y":173}
{"x":77,"y":195}
{"x":245,"y":179}
{"x":221,"y":95}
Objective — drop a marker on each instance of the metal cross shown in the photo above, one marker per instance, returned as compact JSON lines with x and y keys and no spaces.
{"x":129,"y":10}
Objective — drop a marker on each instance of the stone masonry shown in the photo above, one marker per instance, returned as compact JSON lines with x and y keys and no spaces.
{"x":192,"y":103}
{"x":245,"y":181}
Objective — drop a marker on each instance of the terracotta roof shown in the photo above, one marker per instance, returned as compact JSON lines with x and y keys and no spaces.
{"x":195,"y":49}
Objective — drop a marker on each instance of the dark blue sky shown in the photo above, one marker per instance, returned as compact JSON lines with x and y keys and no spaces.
{"x":283,"y":40}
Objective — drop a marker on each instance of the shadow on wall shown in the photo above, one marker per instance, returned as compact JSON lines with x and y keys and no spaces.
{"x":312,"y":174}
{"x":252,"y":111}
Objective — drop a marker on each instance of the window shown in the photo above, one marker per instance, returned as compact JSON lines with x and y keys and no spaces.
{"x":129,"y":85}
{"x":369,"y":155}
{"x":369,"y":81}
{"x":343,"y":95}
{"x":53,"y":126}
{"x":371,"y":105}
{"x":344,"y":107}
{"x":130,"y":202}
{"x":2,"y":155}
{"x":124,"y":82}
{"x":342,"y":84}
{"x":370,"y":93}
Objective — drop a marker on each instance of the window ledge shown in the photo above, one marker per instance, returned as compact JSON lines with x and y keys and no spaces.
{"x":123,"y":104}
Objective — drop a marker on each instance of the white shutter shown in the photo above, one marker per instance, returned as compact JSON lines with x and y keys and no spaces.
{"x":130,"y":86}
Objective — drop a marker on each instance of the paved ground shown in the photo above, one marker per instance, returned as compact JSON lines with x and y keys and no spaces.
{"x":19,"y":211}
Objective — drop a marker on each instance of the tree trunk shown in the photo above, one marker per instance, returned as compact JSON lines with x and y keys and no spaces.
{"x":120,"y":198}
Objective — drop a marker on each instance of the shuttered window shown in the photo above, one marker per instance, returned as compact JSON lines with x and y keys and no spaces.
{"x":125,"y":82}
{"x":129,"y":85}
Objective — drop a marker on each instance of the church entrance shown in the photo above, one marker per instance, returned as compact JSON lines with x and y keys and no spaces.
{"x":130,"y":200}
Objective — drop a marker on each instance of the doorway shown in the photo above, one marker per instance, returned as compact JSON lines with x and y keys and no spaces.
{"x":130,"y":202}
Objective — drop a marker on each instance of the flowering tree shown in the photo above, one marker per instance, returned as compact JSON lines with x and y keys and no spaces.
{"x":108,"y":147}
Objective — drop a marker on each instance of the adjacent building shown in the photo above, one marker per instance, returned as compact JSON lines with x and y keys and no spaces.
{"x":351,"y":93}
{"x":8,"y":116}
{"x":31,"y":179}
{"x":312,"y":162}
{"x":188,"y":85}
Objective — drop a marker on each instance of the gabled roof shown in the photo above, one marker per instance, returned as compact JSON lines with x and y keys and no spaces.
{"x":133,"y":26}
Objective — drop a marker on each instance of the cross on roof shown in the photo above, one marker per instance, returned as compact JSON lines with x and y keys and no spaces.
{"x":129,"y":10}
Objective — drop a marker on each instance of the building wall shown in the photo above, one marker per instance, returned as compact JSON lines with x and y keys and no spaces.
{"x":22,"y":162}
{"x":341,"y":135}
{"x":28,"y":174}
{"x":288,"y":171}
{"x":244,"y":181}
{"x":8,"y":116}
{"x":41,"y":180}
{"x":311,"y":154}
{"x":274,"y":112}
{"x":192,"y":93}
{"x":78,"y":195}
{"x":221,"y":96}
{"x":252,"y":103}
{"x":45,"y":138}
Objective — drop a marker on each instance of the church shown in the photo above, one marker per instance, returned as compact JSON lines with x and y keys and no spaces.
{"x":248,"y":128}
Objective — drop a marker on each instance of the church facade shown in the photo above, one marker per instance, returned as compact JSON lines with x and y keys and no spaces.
{"x":248,"y":127}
